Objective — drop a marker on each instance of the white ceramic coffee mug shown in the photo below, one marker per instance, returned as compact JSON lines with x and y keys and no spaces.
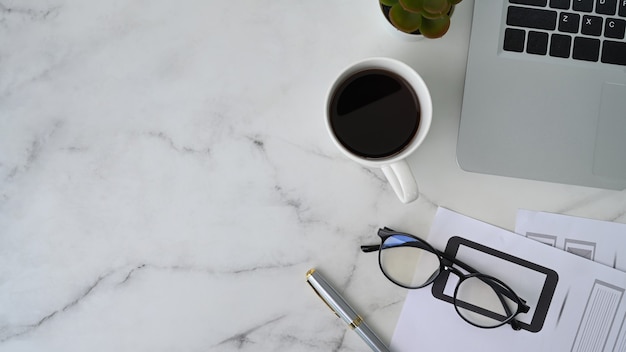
{"x":394,"y":167}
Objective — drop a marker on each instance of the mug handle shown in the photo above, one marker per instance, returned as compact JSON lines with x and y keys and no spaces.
{"x":402,"y":181}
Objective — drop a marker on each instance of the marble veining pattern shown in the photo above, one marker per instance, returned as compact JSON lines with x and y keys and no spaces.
{"x":166,"y":179}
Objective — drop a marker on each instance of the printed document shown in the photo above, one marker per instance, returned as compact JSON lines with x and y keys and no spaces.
{"x":575,"y":304}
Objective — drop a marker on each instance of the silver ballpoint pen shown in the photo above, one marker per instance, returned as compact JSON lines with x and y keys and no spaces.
{"x":343,"y":310}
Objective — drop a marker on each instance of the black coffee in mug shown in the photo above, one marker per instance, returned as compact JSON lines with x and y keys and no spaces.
{"x":374,"y":113}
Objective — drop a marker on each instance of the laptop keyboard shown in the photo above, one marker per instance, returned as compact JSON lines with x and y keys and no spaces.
{"x":588,"y":30}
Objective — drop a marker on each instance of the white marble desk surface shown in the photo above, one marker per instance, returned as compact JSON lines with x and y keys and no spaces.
{"x":166,"y":180}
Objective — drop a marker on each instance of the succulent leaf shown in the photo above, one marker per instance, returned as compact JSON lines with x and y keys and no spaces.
{"x":405,"y":21}
{"x":436,"y":8}
{"x":415,"y":6}
{"x":435,"y":28}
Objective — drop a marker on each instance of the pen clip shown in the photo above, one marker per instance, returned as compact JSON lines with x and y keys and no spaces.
{"x":308,"y":274}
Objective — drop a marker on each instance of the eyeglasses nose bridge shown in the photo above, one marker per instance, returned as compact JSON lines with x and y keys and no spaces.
{"x":453,"y":270}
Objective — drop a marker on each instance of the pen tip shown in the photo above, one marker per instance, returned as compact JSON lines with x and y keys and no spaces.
{"x":309,"y":273}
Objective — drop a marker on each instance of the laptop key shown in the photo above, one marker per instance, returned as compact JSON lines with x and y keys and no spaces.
{"x":537,"y":43}
{"x":583,"y":5}
{"x":614,"y":28}
{"x":606,"y":7}
{"x":592,"y":25}
{"x":569,"y":22}
{"x":514,"y":40}
{"x":587,"y":49}
{"x":560,"y":45}
{"x":614,"y":52}
{"x":621,"y":8}
{"x":560,"y":4}
{"x":531,"y":18}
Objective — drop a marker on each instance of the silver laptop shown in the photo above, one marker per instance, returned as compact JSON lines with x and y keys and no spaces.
{"x":545,"y":92}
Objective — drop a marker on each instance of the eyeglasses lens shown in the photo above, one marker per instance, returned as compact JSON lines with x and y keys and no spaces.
{"x":484,"y":302}
{"x":407,"y":262}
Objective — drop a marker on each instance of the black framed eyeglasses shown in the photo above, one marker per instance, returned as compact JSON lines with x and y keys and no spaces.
{"x":481,"y":300}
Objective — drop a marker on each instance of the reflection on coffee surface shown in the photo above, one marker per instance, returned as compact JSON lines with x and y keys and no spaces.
{"x":374,"y":113}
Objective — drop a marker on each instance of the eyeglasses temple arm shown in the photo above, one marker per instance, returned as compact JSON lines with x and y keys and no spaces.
{"x":370,"y":248}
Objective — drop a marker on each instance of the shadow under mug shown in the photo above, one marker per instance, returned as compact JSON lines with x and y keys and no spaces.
{"x":394,"y":166}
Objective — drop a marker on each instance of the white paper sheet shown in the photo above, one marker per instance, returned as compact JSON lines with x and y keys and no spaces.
{"x":600,"y":241}
{"x":586,"y":311}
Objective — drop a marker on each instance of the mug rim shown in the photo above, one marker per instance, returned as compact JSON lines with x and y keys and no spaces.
{"x":415,"y":82}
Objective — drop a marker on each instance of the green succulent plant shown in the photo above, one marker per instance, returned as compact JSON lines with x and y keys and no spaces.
{"x":431,"y":18}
